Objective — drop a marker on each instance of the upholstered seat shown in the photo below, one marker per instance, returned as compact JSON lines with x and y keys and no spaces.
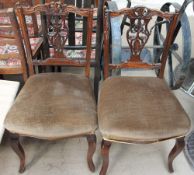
{"x":52,"y":106}
{"x":139,"y":109}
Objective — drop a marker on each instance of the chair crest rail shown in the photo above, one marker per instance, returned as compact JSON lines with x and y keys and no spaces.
{"x":57,"y":8}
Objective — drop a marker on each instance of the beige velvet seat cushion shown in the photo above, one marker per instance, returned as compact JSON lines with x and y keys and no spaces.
{"x":139,"y":110}
{"x":54,"y":105}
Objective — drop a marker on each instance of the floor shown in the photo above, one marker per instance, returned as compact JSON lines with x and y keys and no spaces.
{"x":69,"y":156}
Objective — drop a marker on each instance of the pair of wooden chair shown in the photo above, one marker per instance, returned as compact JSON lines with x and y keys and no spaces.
{"x":130,"y":109}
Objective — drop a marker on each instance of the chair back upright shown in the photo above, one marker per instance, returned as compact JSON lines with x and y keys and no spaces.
{"x":137,"y":34}
{"x":55,"y":31}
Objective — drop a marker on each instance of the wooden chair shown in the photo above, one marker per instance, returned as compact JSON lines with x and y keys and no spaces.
{"x":12,"y":53}
{"x":139,"y":110}
{"x":53,"y":106}
{"x":9,"y":64}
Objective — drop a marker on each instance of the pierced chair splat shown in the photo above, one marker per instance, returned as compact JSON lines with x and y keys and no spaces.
{"x":133,"y":109}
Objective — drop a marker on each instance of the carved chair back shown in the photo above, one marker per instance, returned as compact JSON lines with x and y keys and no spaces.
{"x":55,"y":30}
{"x":10,"y":39}
{"x":78,"y":32}
{"x":138,"y":32}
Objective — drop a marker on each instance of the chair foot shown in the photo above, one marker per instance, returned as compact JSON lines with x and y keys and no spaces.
{"x":17,"y":147}
{"x":178,"y":147}
{"x":91,"y":149}
{"x":105,"y":147}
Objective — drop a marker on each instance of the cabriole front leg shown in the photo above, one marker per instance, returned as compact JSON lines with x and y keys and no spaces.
{"x":91,"y":149}
{"x":17,"y":147}
{"x":105,"y":147}
{"x":178,"y":147}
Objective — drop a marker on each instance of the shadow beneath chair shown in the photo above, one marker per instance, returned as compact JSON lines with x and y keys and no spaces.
{"x":119,"y":151}
{"x":97,"y":155}
{"x":164,"y":150}
{"x":41,"y":149}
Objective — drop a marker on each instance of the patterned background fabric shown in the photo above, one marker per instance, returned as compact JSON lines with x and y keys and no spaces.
{"x":13,"y":48}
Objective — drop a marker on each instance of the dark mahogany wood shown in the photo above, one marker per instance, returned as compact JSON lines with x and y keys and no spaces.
{"x":178,"y":147}
{"x":17,"y":147}
{"x":91,"y":149}
{"x":105,"y":147}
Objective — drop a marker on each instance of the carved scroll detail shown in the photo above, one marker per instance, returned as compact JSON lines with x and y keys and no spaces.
{"x":56,"y":8}
{"x":57,"y":32}
{"x":138,"y":32}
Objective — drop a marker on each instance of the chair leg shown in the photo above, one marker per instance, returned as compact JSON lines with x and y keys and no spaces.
{"x":17,"y":147}
{"x":178,"y":147}
{"x":1,"y":77}
{"x":105,"y":147}
{"x":91,"y":149}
